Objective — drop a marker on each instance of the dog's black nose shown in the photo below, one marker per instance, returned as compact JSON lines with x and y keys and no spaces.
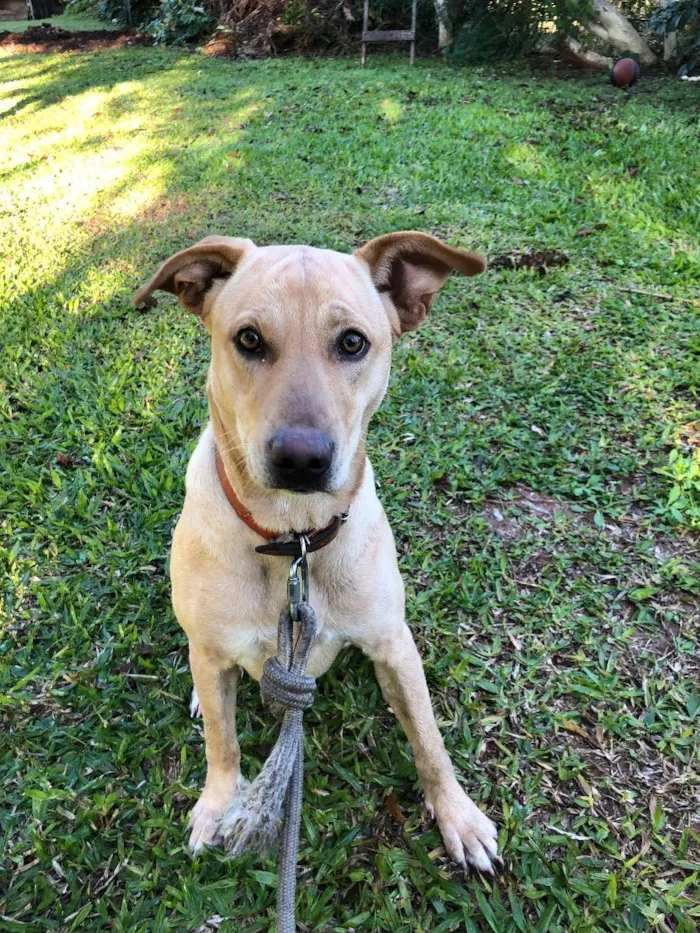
{"x":300,"y":458}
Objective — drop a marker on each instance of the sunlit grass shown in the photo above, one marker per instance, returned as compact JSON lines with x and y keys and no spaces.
{"x":391,"y":110}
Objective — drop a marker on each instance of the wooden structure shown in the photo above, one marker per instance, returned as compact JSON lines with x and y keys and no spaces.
{"x":42,"y":9}
{"x":12,"y":9}
{"x":389,"y":35}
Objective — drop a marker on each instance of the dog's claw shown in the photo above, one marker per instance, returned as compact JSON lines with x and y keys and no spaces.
{"x":469,"y":836}
{"x":195,"y":709}
{"x":203,"y":823}
{"x":205,"y":817}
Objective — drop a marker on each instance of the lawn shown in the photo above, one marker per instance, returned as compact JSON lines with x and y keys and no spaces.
{"x":65,"y":21}
{"x":522,"y":454}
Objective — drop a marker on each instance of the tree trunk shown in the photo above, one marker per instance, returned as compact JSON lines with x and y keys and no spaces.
{"x":670,"y":40}
{"x":445,"y":37}
{"x":612,"y":27}
{"x":574,"y":52}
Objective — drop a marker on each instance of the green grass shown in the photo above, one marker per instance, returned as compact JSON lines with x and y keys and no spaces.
{"x":552,"y":587}
{"x":65,"y":21}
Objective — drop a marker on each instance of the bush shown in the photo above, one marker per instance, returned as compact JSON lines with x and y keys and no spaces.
{"x":80,"y":7}
{"x":180,"y":22}
{"x":490,"y":29}
{"x":683,"y":17}
{"x":125,"y":12}
{"x":258,"y":28}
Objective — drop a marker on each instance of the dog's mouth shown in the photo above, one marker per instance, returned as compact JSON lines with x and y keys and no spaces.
{"x":301,"y":486}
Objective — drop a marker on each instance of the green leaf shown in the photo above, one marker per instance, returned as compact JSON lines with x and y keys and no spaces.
{"x":642,"y":593}
{"x":487,"y":912}
{"x":266,"y":878}
{"x":81,"y":916}
{"x":658,"y":818}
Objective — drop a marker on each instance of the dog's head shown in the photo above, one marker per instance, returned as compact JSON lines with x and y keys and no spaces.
{"x":301,"y":345}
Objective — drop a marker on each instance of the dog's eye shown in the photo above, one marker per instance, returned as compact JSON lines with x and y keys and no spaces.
{"x":249,"y":341}
{"x":353,"y":343}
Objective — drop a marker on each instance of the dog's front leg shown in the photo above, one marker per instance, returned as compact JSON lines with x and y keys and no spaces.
{"x":469,"y":836}
{"x":216,"y":689}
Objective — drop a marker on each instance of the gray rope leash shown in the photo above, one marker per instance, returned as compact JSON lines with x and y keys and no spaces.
{"x":252,"y":821}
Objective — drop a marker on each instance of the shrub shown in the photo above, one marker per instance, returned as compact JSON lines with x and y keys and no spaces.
{"x":80,"y":7}
{"x":683,"y":17}
{"x":125,"y":12}
{"x":257,"y":28}
{"x":180,"y":22}
{"x":490,"y":29}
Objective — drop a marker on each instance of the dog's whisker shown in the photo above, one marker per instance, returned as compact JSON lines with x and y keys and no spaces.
{"x":239,"y":460}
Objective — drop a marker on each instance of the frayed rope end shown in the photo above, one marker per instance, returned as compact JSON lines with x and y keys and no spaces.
{"x":245,"y":829}
{"x":252,"y":821}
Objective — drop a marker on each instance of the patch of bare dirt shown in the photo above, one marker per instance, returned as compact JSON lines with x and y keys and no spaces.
{"x":545,"y":507}
{"x":171,"y":766}
{"x":48,"y":38}
{"x":508,"y":529}
{"x":527,"y":501}
{"x":162,"y":211}
{"x":503,"y":516}
{"x":624,"y":774}
{"x":540,"y":261}
{"x":620,"y":784}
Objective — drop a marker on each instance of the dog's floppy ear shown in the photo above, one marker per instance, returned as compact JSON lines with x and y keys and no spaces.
{"x":190,"y":274}
{"x":410,"y":267}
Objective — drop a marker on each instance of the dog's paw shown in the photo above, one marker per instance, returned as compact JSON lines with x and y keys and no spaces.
{"x":206,"y":814}
{"x":469,"y":836}
{"x":195,"y":709}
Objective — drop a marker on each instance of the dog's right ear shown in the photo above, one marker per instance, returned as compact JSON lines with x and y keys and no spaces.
{"x":192,"y":273}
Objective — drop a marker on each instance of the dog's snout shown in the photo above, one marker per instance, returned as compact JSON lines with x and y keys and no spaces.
{"x":300,"y":458}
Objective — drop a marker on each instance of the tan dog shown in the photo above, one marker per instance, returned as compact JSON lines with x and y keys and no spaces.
{"x":301,"y":348}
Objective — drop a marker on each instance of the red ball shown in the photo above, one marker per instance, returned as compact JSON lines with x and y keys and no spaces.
{"x":624,"y":72}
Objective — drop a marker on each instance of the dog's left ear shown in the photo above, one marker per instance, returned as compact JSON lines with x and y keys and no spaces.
{"x":410,"y":267}
{"x":192,"y":273}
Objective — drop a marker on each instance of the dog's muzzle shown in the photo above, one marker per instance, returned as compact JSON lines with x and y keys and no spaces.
{"x":300,"y":459}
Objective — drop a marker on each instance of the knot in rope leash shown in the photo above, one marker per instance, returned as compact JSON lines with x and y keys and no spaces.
{"x":283,"y":690}
{"x":251,"y":824}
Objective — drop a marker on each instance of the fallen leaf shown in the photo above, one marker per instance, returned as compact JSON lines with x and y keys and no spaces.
{"x":515,"y":642}
{"x":574,"y":727}
{"x":394,"y":808}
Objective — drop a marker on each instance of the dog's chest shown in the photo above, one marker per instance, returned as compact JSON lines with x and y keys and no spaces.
{"x":248,"y":636}
{"x":251,"y":649}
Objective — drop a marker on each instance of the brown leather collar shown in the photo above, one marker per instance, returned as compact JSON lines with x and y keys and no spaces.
{"x":280,"y":545}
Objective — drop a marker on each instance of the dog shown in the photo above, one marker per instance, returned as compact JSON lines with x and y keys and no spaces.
{"x":301,"y":342}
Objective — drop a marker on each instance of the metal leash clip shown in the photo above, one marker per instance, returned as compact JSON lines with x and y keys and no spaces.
{"x":298,"y":582}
